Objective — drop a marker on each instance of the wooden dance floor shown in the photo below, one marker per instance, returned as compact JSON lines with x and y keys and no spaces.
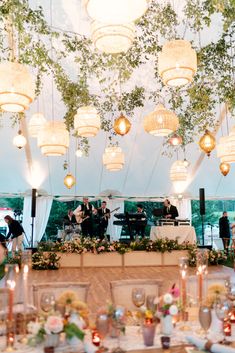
{"x":99,"y":278}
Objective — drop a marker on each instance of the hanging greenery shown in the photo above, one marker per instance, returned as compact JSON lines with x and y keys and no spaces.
{"x":99,"y":75}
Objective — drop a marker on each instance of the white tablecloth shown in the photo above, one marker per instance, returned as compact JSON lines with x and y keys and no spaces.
{"x":182,"y":233}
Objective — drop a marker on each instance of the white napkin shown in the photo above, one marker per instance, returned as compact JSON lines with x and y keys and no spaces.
{"x":216,"y":348}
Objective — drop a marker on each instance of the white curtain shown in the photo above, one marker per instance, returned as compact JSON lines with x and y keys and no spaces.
{"x":112,"y":230}
{"x":43,"y":208}
{"x":184,"y":208}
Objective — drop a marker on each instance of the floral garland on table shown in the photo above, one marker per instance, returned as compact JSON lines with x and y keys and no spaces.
{"x":48,"y":261}
{"x":215,"y":257}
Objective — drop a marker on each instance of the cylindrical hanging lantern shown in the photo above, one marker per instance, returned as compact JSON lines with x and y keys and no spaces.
{"x":207,"y":142}
{"x":69,"y":181}
{"x":53,"y":138}
{"x":116,"y":12}
{"x":177,"y":63}
{"x":178,"y":171}
{"x":161,"y":122}
{"x":16,"y":87}
{"x":87,"y":121}
{"x":122,"y":125}
{"x":226,"y":147}
{"x":35,"y":124}
{"x":112,"y":38}
{"x":113,"y":158}
{"x":224,"y":168}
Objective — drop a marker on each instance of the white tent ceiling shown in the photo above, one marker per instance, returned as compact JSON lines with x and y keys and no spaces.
{"x":146,"y":170}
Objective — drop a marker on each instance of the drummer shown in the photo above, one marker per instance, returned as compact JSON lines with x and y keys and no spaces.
{"x":69,"y":219}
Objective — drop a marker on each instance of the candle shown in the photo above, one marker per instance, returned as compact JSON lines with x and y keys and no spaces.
{"x":148,"y":321}
{"x":232,"y":317}
{"x":183,"y":285}
{"x":11,"y":286}
{"x":95,"y":338}
{"x":25,"y":284}
{"x":200,"y":282}
{"x":227,"y":328}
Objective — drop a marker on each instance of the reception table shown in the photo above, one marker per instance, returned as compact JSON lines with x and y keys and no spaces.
{"x":182,"y":233}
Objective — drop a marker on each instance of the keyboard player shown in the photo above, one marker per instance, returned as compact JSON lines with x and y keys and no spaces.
{"x":141,"y":222}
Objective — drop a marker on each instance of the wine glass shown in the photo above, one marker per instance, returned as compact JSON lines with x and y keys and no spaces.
{"x":150,"y":302}
{"x":205,"y":318}
{"x":222,"y":310}
{"x":47,"y":301}
{"x":102,"y":327}
{"x":138,"y":296}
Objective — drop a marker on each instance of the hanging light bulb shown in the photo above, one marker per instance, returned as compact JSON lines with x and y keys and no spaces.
{"x":122,"y":125}
{"x":186,"y":163}
{"x":35,"y":124}
{"x":224,"y":168}
{"x":79,"y":153}
{"x":175,"y":140}
{"x":69,"y":181}
{"x":207,"y":142}
{"x":19,"y":140}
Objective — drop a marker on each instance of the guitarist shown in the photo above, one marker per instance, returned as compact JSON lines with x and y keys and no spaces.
{"x":104,"y":214}
{"x":83,"y":214}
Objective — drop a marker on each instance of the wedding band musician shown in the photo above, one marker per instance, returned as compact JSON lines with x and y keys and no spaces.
{"x":83,"y":214}
{"x":104,"y":214}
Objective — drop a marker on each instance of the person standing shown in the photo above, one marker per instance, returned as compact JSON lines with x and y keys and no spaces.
{"x":104,"y":214}
{"x":224,"y":230}
{"x":141,"y":222}
{"x":169,"y":211}
{"x":83,"y":214}
{"x":15,"y":233}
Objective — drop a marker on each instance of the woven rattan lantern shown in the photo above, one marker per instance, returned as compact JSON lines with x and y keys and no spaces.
{"x":87,"y":121}
{"x":69,"y":181}
{"x":16,"y":87}
{"x":178,"y":171}
{"x":113,"y":158}
{"x":177,"y":63}
{"x":35,"y":124}
{"x":224,"y":168}
{"x":116,"y":12}
{"x":207,"y":142}
{"x":122,"y":125}
{"x":19,"y":140}
{"x":53,"y":138}
{"x":226,"y":148}
{"x":161,"y":122}
{"x":112,"y":38}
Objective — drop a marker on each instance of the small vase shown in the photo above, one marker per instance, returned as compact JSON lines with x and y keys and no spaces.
{"x":148,"y":334}
{"x":79,"y":322}
{"x":52,"y":340}
{"x":166,"y":325}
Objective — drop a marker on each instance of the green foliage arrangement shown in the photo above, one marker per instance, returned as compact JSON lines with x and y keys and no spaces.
{"x":45,"y":261}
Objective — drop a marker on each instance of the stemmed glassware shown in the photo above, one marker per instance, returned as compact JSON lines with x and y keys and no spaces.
{"x":102,"y":327}
{"x":47,"y":301}
{"x":150,"y":298}
{"x":205,"y":318}
{"x":222,"y":310}
{"x":138,"y":299}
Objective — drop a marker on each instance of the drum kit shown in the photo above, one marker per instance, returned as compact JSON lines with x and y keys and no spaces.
{"x":70,"y":232}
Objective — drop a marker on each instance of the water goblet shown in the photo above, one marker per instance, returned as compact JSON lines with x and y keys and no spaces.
{"x":47,"y":301}
{"x":205,"y":318}
{"x":102,"y":327}
{"x":138,"y":299}
{"x":222,"y":310}
{"x":150,"y":302}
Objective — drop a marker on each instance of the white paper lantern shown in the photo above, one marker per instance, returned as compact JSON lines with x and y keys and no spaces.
{"x":16,"y":87}
{"x":112,"y":38}
{"x":19,"y":140}
{"x":226,"y":147}
{"x":116,"y":11}
{"x":161,"y":122}
{"x":178,"y":171}
{"x":53,"y":138}
{"x":87,"y":121}
{"x":113,"y":158}
{"x":177,"y":63}
{"x":35,"y":124}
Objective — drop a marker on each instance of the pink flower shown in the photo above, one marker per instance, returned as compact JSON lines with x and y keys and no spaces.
{"x":54,"y":324}
{"x":175,"y":291}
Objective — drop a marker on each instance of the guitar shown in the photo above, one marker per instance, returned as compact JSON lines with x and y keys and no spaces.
{"x":80,"y":218}
{"x":108,"y":214}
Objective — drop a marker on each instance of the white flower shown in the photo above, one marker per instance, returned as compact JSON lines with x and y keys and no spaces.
{"x":54,"y":324}
{"x":34,"y":327}
{"x":173,"y":310}
{"x":167,"y":298}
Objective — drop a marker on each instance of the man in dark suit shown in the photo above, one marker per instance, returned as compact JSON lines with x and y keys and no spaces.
{"x":224,"y":230}
{"x":69,"y":219}
{"x":169,"y":211}
{"x":104,"y":214}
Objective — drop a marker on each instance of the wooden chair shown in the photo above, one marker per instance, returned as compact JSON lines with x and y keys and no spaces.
{"x":121,"y":291}
{"x":80,"y":288}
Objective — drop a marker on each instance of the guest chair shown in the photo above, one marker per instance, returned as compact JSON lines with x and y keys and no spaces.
{"x":121,"y":291}
{"x":57,"y":288}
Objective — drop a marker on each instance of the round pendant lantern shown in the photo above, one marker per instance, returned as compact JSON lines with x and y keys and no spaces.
{"x":226,"y":148}
{"x":69,"y":181}
{"x":35,"y":124}
{"x":177,"y":63}
{"x":19,"y":140}
{"x":87,"y":121}
{"x":112,"y":38}
{"x":175,"y":140}
{"x":161,"y":122}
{"x":113,"y":158}
{"x":53,"y":138}
{"x":122,"y":125}
{"x":207,"y":142}
{"x":178,"y":171}
{"x":16,"y":87}
{"x":224,"y":168}
{"x":116,"y":11}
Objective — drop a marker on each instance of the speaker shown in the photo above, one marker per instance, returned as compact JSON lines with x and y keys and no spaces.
{"x":33,"y":204}
{"x":202,"y":201}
